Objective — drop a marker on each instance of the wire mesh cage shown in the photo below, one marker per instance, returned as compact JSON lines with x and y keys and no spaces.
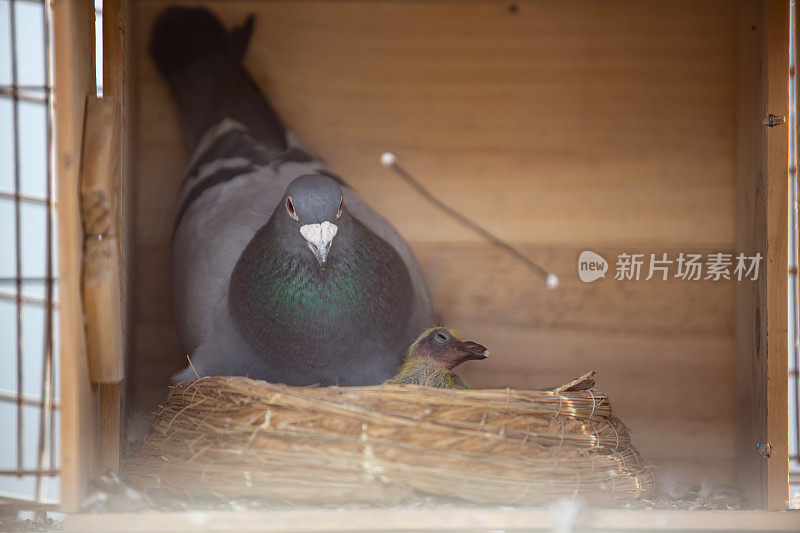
{"x":28,"y":289}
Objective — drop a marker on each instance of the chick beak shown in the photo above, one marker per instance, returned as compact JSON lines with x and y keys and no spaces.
{"x":319,"y":238}
{"x":472,"y":350}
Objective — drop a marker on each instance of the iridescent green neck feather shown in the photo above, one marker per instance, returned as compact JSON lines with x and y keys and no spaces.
{"x":290,"y":310}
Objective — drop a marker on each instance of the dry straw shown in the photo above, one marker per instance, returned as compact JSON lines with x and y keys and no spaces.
{"x":230,"y":437}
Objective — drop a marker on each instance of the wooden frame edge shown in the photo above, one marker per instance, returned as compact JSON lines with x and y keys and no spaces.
{"x":73,"y":45}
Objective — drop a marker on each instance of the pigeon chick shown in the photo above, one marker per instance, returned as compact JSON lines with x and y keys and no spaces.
{"x":280,"y":271}
{"x":434,"y":355}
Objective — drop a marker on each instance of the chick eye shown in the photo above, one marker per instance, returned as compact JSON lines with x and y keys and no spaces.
{"x":440,"y":337}
{"x":290,"y":208}
{"x":341,"y":206}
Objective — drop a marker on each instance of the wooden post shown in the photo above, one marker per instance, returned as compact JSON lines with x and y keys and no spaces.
{"x":102,"y":288}
{"x":777,"y":273}
{"x":761,"y":227}
{"x":117,"y":88}
{"x":73,"y":45}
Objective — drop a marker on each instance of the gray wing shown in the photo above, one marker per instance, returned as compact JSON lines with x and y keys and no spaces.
{"x":225,"y":198}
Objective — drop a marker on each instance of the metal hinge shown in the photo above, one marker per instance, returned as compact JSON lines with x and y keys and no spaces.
{"x":774,"y":120}
{"x":764,"y":449}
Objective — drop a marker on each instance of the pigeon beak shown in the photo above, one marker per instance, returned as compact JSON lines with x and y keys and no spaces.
{"x":465,"y":351}
{"x":319,"y":238}
{"x":472,"y":350}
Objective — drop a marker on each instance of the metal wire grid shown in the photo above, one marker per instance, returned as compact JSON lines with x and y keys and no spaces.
{"x":12,"y":288}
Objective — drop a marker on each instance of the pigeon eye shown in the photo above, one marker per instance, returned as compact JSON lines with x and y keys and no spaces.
{"x":341,"y":206}
{"x":290,"y":208}
{"x":440,"y":337}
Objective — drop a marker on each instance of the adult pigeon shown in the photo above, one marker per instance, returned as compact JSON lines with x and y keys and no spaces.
{"x":280,"y":272}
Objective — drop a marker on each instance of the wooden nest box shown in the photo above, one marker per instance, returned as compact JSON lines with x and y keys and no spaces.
{"x":621,"y":127}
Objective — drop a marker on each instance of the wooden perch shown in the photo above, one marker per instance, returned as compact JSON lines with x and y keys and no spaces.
{"x":100,"y":170}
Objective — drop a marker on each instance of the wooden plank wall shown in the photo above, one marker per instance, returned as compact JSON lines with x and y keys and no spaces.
{"x":562,"y":126}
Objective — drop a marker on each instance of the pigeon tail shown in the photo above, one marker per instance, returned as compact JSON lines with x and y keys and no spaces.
{"x":202,"y":62}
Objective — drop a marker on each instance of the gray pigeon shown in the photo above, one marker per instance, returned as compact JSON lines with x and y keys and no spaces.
{"x":280,"y":272}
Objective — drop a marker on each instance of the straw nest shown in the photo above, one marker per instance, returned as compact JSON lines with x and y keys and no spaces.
{"x":231,"y":437}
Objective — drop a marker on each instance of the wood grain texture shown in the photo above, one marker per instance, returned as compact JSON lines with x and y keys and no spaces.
{"x":750,"y":235}
{"x":117,"y":71}
{"x":117,"y":74}
{"x":102,"y":295}
{"x":775,"y":387}
{"x":577,"y":122}
{"x":762,"y":218}
{"x":564,"y":127}
{"x":110,"y":424}
{"x":73,"y":45}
